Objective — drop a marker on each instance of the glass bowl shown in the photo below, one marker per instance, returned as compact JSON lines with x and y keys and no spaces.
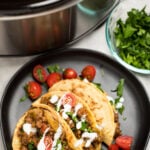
{"x":120,"y":12}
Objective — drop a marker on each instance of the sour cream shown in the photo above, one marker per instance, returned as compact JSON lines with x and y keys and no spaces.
{"x":77,"y":108}
{"x":79,"y":125}
{"x":41,"y":145}
{"x":90,"y":137}
{"x":27,"y":128}
{"x":54,"y":99}
{"x":67,"y":108}
{"x":56,"y":137}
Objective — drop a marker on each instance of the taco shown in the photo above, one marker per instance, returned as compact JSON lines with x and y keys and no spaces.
{"x":40,"y":129}
{"x":76,"y":115}
{"x":97,"y":101}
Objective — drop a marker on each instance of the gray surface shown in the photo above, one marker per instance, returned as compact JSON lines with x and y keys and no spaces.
{"x":95,"y":41}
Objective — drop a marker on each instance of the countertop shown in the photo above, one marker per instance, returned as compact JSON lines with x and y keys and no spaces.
{"x":94,"y":41}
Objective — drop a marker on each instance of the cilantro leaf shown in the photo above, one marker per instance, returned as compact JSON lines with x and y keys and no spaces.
{"x":132,"y":38}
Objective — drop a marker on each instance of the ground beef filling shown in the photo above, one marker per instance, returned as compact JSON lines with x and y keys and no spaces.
{"x":39,"y":122}
{"x":118,"y":130}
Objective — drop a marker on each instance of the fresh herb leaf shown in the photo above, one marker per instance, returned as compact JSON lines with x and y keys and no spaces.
{"x":118,"y":101}
{"x":85,"y":127}
{"x":31,"y":146}
{"x":119,"y":88}
{"x":54,"y":68}
{"x":132,"y":38}
{"x":98,"y":85}
{"x":22,"y":99}
{"x":74,"y":118}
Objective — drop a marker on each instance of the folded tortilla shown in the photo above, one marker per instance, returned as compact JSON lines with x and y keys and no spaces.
{"x":96,"y":100}
{"x":39,"y":128}
{"x":77,"y":116}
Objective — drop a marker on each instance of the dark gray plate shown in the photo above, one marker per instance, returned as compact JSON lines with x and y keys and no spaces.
{"x":109,"y":72}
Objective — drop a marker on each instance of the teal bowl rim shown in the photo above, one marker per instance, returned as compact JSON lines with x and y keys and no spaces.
{"x":114,"y":53}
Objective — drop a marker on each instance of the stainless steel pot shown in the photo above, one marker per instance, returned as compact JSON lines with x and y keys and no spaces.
{"x":34,"y":26}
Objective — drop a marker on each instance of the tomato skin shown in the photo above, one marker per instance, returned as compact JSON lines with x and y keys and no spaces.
{"x":48,"y":142}
{"x":39,"y":73}
{"x":43,"y":128}
{"x":113,"y":147}
{"x":88,"y":72}
{"x":69,"y":73}
{"x":69,"y":99}
{"x":124,"y":142}
{"x":34,"y":89}
{"x":53,"y":78}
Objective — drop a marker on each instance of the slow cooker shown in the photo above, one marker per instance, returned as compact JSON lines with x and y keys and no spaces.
{"x":34,"y":26}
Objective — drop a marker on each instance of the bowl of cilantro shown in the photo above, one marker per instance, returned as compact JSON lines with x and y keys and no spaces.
{"x":128,"y":35}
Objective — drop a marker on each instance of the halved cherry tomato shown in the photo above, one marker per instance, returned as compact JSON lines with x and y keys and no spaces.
{"x":53,"y":78}
{"x":69,"y":99}
{"x":43,"y":128}
{"x":34,"y":89}
{"x":39,"y":73}
{"x":69,"y":73}
{"x":88,"y":72}
{"x":113,"y":147}
{"x":48,"y":142}
{"x":124,"y":142}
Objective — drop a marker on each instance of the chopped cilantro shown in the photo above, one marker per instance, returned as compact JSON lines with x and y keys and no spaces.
{"x":132,"y":38}
{"x":98,"y":85}
{"x":54,"y":68}
{"x":31,"y":146}
{"x":117,"y":100}
{"x":74,"y":118}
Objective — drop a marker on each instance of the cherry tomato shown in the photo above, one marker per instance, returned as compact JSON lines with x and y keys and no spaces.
{"x":48,"y":142}
{"x":53,"y":78}
{"x":69,"y":99}
{"x":39,"y":73}
{"x":43,"y":128}
{"x":113,"y":147}
{"x":124,"y":142}
{"x":69,"y":73}
{"x":34,"y":89}
{"x":88,"y":72}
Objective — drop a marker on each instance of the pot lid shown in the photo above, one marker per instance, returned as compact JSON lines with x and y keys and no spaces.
{"x":12,"y":7}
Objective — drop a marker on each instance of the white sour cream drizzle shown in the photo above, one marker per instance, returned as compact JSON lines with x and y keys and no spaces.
{"x":79,"y":123}
{"x":41,"y":145}
{"x":67,"y":108}
{"x":90,"y":137}
{"x":27,"y":128}
{"x":54,"y":99}
{"x":56,"y":137}
{"x":77,"y":107}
